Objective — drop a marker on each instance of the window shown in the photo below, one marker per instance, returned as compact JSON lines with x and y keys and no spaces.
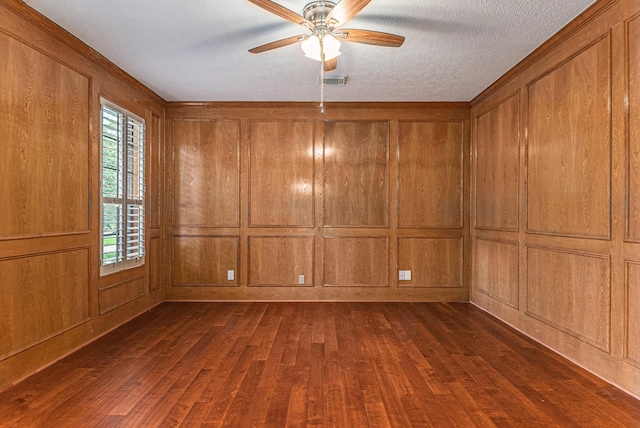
{"x":122,"y":189}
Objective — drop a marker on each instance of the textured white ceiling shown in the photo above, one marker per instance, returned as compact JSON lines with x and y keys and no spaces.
{"x":197,"y":50}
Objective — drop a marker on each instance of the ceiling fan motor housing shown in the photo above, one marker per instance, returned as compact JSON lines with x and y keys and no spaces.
{"x":317,"y":13}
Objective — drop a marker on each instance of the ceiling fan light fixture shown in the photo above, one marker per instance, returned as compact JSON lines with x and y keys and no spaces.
{"x":311,"y":47}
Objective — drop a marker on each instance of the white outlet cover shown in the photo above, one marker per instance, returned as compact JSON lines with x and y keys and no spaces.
{"x":300,"y":279}
{"x":231,"y":275}
{"x":404,"y":275}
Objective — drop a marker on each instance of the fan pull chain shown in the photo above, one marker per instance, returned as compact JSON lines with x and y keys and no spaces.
{"x":322,"y":75}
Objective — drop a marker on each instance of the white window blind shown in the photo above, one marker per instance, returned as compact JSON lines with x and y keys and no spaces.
{"x":122,"y":182}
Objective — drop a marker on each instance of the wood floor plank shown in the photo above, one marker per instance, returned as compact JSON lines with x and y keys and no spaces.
{"x":316,"y":398}
{"x":315,"y":365}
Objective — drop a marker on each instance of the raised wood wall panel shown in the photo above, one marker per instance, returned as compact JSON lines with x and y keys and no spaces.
{"x":341,"y":232}
{"x":118,"y":295}
{"x":44,"y":157}
{"x":579,"y":177}
{"x":356,"y":167}
{"x":632,"y":309}
{"x":430,"y":174}
{"x":155,"y":160}
{"x":571,"y":292}
{"x":569,"y":147}
{"x":42,"y":296}
{"x":207,"y":173}
{"x":154,"y":258}
{"x":434,"y":262}
{"x":278,"y":261}
{"x":205,"y":260}
{"x":496,"y":270}
{"x":356,"y":261}
{"x":50,"y":90}
{"x":633,"y":118}
{"x":497,"y":171}
{"x":282,"y":174}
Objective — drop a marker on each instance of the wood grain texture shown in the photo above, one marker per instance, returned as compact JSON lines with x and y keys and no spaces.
{"x":496,"y":268}
{"x":278,"y":261}
{"x":282,"y":174}
{"x":430,"y":174}
{"x":497,"y":171}
{"x":154,"y":259}
{"x":632,"y":309}
{"x":571,"y":292}
{"x":569,"y":147}
{"x":50,"y":191}
{"x":355,"y":173}
{"x":207,"y":173}
{"x":118,"y":295}
{"x":44,"y":117}
{"x":356,"y":261}
{"x":205,"y":260}
{"x":434,"y":262}
{"x":316,"y":364}
{"x":633,"y":118}
{"x":579,"y":181}
{"x":356,"y":168}
{"x":155,"y":161}
{"x":42,"y":296}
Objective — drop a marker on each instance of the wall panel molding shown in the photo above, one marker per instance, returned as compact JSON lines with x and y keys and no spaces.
{"x":569,"y":146}
{"x":50,"y":163}
{"x":632,"y":88}
{"x":117,"y":295}
{"x":204,"y":260}
{"x":156,"y":176}
{"x":54,"y":283}
{"x":580,"y":185}
{"x":46,"y":157}
{"x":282,"y":175}
{"x":571,"y":291}
{"x":356,"y":261}
{"x":356,"y":174}
{"x":434,"y":262}
{"x":497,"y":270}
{"x":279,"y":260}
{"x":431,"y":175}
{"x":497,"y":166}
{"x":155,"y":264}
{"x":347,"y":217}
{"x":632,"y":309}
{"x":206,"y":173}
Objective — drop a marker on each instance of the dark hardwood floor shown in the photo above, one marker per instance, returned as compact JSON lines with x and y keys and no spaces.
{"x":315,"y":364}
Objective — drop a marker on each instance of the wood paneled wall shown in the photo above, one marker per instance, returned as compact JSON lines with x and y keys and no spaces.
{"x":555,"y":207}
{"x":279,"y":202}
{"x":51,"y":296}
{"x":304,"y":206}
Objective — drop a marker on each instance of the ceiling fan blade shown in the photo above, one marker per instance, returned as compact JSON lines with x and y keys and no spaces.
{"x":277,"y":44}
{"x":331,"y":64}
{"x":344,"y":11}
{"x":282,"y":12}
{"x":370,"y":37}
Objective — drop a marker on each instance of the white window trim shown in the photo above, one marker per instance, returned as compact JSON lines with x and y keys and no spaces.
{"x":124,"y":201}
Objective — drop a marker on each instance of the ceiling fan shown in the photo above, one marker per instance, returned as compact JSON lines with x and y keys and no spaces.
{"x":324,"y":20}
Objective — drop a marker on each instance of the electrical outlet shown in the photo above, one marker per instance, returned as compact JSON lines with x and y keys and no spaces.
{"x":404,"y":275}
{"x":231,"y":275}
{"x":300,"y":279}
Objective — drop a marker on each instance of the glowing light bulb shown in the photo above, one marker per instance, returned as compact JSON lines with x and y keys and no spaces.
{"x":311,"y":47}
